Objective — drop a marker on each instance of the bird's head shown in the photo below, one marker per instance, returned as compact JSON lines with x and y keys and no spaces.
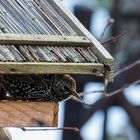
{"x":69,"y":85}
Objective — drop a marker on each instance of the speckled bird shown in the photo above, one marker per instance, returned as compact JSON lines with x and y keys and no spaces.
{"x":53,"y":88}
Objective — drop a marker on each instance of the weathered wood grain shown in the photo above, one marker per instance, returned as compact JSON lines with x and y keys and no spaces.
{"x":98,"y":49}
{"x":28,"y":114}
{"x":82,"y":31}
{"x":29,"y":39}
{"x":52,"y":68}
{"x":49,"y":17}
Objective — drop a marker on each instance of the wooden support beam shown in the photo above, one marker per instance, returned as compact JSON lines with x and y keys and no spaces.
{"x":30,"y":39}
{"x":28,"y":114}
{"x":51,"y":68}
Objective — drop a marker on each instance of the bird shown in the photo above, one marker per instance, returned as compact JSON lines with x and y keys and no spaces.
{"x":48,"y":88}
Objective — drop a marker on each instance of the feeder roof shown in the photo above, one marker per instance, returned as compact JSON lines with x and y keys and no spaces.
{"x":41,"y":36}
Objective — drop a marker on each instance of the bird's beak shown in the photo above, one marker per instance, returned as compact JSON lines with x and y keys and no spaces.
{"x":77,"y":96}
{"x":79,"y":99}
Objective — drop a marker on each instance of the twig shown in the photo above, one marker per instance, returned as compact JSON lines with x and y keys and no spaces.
{"x":110,"y":22}
{"x":127,"y":68}
{"x":107,"y":95}
{"x":122,"y":88}
{"x":116,"y":74}
{"x":116,"y":91}
{"x":114,"y":39}
{"x":95,"y":91}
{"x":105,"y":85}
{"x":75,"y":129}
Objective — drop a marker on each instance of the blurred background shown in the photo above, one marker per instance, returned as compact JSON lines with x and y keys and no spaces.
{"x":117,"y":117}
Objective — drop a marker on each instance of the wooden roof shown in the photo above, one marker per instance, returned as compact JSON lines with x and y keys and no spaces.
{"x":42,"y":34}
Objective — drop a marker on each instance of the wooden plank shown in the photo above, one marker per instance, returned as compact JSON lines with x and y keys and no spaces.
{"x":30,"y":39}
{"x":99,"y":50}
{"x":28,"y":114}
{"x":52,"y":68}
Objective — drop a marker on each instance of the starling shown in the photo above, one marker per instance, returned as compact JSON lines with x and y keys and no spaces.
{"x":49,"y":88}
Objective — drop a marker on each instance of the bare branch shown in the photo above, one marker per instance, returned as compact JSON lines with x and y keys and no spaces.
{"x":107,"y":95}
{"x":114,"y":39}
{"x":116,"y":74}
{"x":127,"y":68}
{"x":110,"y":22}
{"x":114,"y":92}
{"x":75,"y":129}
{"x":95,"y":91}
{"x":105,"y":86}
{"x":122,"y":88}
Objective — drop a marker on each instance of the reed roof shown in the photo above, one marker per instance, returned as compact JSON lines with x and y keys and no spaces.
{"x":48,"y":17}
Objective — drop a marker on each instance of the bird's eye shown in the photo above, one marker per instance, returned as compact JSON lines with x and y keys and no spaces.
{"x":67,"y":88}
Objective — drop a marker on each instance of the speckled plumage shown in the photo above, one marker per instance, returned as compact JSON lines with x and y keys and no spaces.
{"x":38,"y":87}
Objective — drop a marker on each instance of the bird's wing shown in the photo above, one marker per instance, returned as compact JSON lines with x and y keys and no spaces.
{"x":30,"y":78}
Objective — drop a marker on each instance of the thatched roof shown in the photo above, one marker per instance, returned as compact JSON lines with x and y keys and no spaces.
{"x":38,"y":17}
{"x":41,"y":17}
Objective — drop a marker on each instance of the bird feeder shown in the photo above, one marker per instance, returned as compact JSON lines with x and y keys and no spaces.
{"x":43,"y":37}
